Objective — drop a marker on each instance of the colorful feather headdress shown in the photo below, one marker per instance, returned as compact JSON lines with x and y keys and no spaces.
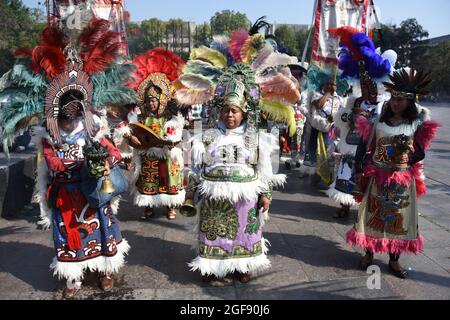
{"x":358,"y":56}
{"x":269,"y":85}
{"x":59,"y":67}
{"x":408,"y":85}
{"x":156,"y":70}
{"x":317,"y":77}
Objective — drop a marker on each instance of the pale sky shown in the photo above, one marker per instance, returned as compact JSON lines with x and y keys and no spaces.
{"x":431,"y":14}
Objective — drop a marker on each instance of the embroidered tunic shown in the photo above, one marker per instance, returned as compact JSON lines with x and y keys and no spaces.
{"x":231,"y":176}
{"x":388,"y":213}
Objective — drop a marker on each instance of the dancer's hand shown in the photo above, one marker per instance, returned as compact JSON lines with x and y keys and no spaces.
{"x":264,"y":203}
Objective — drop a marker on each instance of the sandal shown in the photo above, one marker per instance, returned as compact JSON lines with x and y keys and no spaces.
{"x":402,"y":273}
{"x":243,"y":277}
{"x":342,"y":213}
{"x":69,"y":293}
{"x":148,"y":212}
{"x":171,"y":214}
{"x":106,"y":283}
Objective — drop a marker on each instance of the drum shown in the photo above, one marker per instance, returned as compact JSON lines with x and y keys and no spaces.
{"x":147,"y":137}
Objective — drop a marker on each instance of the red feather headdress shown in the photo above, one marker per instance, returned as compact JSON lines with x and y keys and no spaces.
{"x":157,"y":67}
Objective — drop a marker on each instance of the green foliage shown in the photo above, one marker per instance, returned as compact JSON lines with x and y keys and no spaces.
{"x":228,"y":20}
{"x":19,"y":27}
{"x":293,"y":41}
{"x":437,"y":61}
{"x":406,"y":40}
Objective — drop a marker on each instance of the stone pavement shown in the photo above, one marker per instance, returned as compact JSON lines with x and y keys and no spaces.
{"x":310,"y":259}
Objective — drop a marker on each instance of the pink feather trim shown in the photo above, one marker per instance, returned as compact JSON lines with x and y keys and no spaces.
{"x":426,"y":133}
{"x":236,"y":43}
{"x":404,"y":178}
{"x":384,"y":245}
{"x":364,"y":127}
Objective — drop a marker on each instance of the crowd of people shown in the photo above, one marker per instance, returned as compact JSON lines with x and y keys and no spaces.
{"x":106,"y":128}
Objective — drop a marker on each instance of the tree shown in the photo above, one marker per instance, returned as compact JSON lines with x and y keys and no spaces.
{"x":287,"y":40}
{"x":202,"y":35}
{"x":226,"y":21}
{"x":406,"y":40}
{"x":437,"y":61}
{"x":19,"y":27}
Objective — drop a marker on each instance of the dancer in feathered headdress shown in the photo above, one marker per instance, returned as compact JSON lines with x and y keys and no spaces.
{"x":324,"y":101}
{"x":62,"y":82}
{"x":389,"y":164}
{"x":232,"y":179}
{"x":158,"y":179}
{"x":365,"y":68}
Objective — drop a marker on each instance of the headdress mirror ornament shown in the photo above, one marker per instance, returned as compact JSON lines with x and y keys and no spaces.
{"x":156,"y":85}
{"x":71,"y":85}
{"x":408,"y":85}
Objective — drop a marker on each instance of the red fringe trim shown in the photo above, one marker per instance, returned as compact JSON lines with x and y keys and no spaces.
{"x":364,"y":127}
{"x":404,"y":178}
{"x":383,"y":245}
{"x":426,"y":133}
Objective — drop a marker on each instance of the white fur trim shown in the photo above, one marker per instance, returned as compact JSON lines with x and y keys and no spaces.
{"x":114,"y":203}
{"x":73,"y":271}
{"x":197,"y":152}
{"x":159,"y":200}
{"x":221,"y":267}
{"x":268,"y":145}
{"x":263,"y":217}
{"x":120,"y":132}
{"x":152,"y":152}
{"x":177,"y":123}
{"x":45,"y":217}
{"x":276,"y":180}
{"x":341,"y":197}
{"x":102,"y":123}
{"x":233,"y":191}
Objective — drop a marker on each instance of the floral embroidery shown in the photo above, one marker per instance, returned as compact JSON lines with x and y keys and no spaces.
{"x":218,"y":218}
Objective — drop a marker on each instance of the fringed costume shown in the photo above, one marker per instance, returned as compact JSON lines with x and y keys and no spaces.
{"x":231,"y":168}
{"x":158,"y":180}
{"x":321,"y":120}
{"x":56,"y":83}
{"x":393,"y":176}
{"x":363,"y":67}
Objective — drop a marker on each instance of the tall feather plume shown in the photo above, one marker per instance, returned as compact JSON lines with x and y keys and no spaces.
{"x":193,"y":89}
{"x":110,"y":86}
{"x":156,"y":60}
{"x":355,"y":47}
{"x":220,"y":43}
{"x":258,"y":25}
{"x":238,"y":38}
{"x":278,"y":111}
{"x":262,"y":56}
{"x":344,"y":35}
{"x":48,"y":56}
{"x":280,"y":88}
{"x":203,"y":68}
{"x":416,"y":81}
{"x":214,"y":57}
{"x":251,"y":47}
{"x":99,"y":46}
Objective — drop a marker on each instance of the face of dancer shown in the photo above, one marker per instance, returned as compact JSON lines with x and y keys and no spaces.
{"x":398,"y":106}
{"x":66,"y":124}
{"x":330,"y":87}
{"x":232,"y":116}
{"x":153,"y":105}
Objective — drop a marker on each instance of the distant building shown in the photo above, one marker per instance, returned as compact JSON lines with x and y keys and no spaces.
{"x":435,"y":41}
